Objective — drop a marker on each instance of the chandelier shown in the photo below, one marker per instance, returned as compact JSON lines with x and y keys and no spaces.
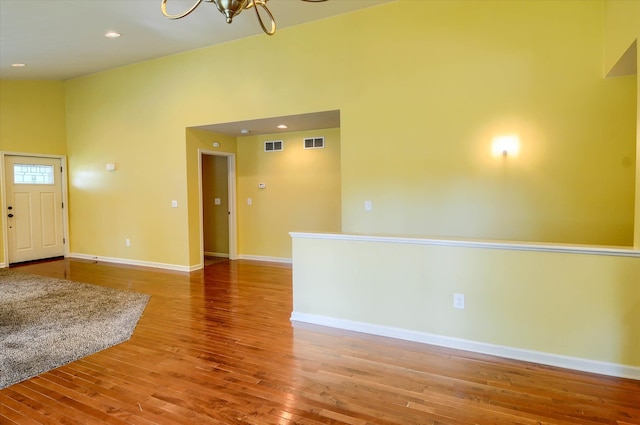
{"x":232,"y":8}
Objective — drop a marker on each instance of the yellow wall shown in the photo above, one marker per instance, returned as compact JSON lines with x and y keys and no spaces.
{"x":576,"y":305}
{"x":302,"y":191}
{"x":568,"y":306}
{"x":637,"y":207}
{"x":215,"y":216}
{"x":32,"y":120}
{"x":32,"y":117}
{"x":420,"y":102}
{"x":622,"y":28}
{"x":422,"y":88}
{"x":120,"y":117}
{"x":482,"y":69}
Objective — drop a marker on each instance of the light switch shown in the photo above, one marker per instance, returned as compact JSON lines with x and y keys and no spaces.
{"x":368,"y":206}
{"x":249,"y":201}
{"x":216,"y":201}
{"x":174,"y":204}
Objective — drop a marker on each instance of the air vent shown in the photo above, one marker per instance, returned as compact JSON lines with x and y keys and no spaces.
{"x":314,"y":143}
{"x":273,"y":145}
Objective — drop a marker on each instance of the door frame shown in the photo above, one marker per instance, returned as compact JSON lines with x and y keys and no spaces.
{"x":3,"y":201}
{"x":231,"y":201}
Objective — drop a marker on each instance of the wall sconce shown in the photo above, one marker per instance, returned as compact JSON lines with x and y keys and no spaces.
{"x":506,"y":145}
{"x":111,"y":166}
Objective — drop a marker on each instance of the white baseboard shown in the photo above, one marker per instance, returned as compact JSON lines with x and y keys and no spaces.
{"x":264,"y":258}
{"x":130,"y":262}
{"x":216,"y":254}
{"x":174,"y":267}
{"x":575,"y":363}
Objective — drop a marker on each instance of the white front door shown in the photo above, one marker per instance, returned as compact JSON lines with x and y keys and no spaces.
{"x":34,"y":208}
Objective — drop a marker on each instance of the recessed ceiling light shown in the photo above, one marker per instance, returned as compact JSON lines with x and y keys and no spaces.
{"x":244,"y":131}
{"x":282,"y":126}
{"x":112,"y":34}
{"x":18,"y":65}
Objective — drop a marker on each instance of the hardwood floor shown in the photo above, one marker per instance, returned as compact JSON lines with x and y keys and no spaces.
{"x":217,"y":347}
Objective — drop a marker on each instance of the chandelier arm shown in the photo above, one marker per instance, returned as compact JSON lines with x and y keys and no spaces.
{"x":263,"y":4}
{"x":163,"y":7}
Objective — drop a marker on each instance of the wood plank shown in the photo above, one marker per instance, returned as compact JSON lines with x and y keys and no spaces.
{"x":216,"y":347}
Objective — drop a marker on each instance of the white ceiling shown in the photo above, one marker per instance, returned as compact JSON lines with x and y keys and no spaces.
{"x":62,"y":39}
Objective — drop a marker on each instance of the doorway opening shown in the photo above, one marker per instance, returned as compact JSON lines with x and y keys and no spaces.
{"x":217,"y":187}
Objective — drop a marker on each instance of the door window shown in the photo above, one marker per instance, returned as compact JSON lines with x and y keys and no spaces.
{"x":32,"y":174}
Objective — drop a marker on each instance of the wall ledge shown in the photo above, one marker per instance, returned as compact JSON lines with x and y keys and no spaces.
{"x":556,"y":360}
{"x":470,"y":243}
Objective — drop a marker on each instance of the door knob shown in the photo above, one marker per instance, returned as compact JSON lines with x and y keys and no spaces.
{"x":10,"y":215}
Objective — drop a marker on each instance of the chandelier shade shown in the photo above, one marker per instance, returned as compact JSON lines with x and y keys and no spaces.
{"x":232,"y":8}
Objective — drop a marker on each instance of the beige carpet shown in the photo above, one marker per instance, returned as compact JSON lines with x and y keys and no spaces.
{"x":47,"y":322}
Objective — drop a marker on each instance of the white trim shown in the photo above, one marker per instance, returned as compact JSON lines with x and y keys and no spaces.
{"x":265,"y":258}
{"x":65,"y":210}
{"x":231,"y":195}
{"x":195,"y":267}
{"x":130,"y":262}
{"x":575,"y":363}
{"x":3,"y":200}
{"x":216,"y":254}
{"x":466,"y":243}
{"x":233,"y":214}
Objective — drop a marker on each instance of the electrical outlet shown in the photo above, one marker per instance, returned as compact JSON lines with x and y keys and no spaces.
{"x":127,"y":242}
{"x":458,"y":301}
